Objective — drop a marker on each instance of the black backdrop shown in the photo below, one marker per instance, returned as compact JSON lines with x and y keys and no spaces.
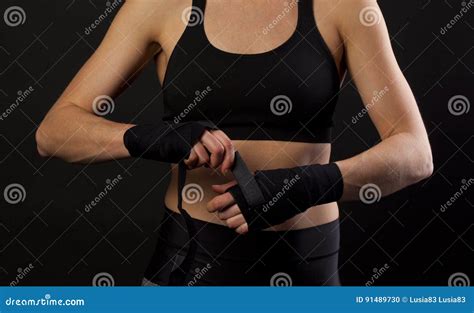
{"x":48,"y":238}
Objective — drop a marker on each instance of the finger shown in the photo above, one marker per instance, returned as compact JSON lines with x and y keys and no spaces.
{"x":236,"y":221}
{"x":202,"y":155}
{"x":192,"y":160}
{"x":215,"y":148}
{"x":229,"y":212}
{"x":223,"y":188}
{"x":242,"y":229}
{"x":229,"y":150}
{"x":220,"y":202}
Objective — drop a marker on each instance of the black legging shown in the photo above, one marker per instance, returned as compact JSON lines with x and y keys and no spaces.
{"x":224,"y":258}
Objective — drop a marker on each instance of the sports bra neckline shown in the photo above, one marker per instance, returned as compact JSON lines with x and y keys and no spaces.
{"x":202,"y":4}
{"x":200,"y":7}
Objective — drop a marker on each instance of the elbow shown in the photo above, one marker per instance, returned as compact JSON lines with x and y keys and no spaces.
{"x":46,"y":146}
{"x":41,"y":139}
{"x":47,"y":143}
{"x":422,"y":165}
{"x":425,"y":169}
{"x":51,"y":139}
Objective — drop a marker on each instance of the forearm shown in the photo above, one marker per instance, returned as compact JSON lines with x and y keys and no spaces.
{"x":393,"y":164}
{"x":396,"y":162}
{"x":76,"y":135}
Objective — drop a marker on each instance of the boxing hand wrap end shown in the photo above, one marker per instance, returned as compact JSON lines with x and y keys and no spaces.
{"x":167,"y":143}
{"x":288,"y":192}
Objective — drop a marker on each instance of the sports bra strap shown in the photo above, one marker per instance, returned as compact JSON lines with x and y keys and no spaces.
{"x":306,"y":16}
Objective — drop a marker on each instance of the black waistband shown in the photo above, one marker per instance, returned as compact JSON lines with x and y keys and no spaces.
{"x":220,"y":242}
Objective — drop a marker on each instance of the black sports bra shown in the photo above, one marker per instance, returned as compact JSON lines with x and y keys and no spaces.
{"x":287,"y":94}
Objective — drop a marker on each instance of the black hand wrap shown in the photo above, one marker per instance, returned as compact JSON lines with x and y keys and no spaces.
{"x":167,"y":143}
{"x":288,"y":192}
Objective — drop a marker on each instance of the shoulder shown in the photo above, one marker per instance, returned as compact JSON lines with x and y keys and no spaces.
{"x":356,"y":15}
{"x":152,"y":15}
{"x":347,"y":14}
{"x":347,"y":8}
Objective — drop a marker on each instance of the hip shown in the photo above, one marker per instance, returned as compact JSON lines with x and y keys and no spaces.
{"x":300,"y":257}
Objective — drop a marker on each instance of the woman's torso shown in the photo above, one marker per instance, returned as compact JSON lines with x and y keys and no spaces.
{"x":234,"y":27}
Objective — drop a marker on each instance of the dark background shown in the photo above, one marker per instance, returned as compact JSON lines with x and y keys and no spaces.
{"x":65,"y":245}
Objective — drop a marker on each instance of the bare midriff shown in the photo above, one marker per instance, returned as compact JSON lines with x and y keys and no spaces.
{"x":258,"y":155}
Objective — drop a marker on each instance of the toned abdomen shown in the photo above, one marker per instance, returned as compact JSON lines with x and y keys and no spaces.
{"x":258,"y":155}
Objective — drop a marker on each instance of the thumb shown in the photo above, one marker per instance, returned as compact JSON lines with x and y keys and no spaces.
{"x":191,"y":160}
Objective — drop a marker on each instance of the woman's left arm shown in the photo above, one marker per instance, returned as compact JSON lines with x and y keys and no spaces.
{"x":403,"y":157}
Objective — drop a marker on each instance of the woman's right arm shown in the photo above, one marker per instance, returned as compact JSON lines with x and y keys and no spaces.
{"x":71,"y":130}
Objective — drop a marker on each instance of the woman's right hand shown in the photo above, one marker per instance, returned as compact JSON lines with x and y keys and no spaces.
{"x":214,"y":150}
{"x":198,"y":143}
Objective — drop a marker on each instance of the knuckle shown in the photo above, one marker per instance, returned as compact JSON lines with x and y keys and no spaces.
{"x":219,"y":150}
{"x":229,"y":146}
{"x":203,"y":161}
{"x":218,"y":203}
{"x":211,"y":206}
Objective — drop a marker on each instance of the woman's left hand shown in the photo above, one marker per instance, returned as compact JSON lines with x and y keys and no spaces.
{"x":226,"y":208}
